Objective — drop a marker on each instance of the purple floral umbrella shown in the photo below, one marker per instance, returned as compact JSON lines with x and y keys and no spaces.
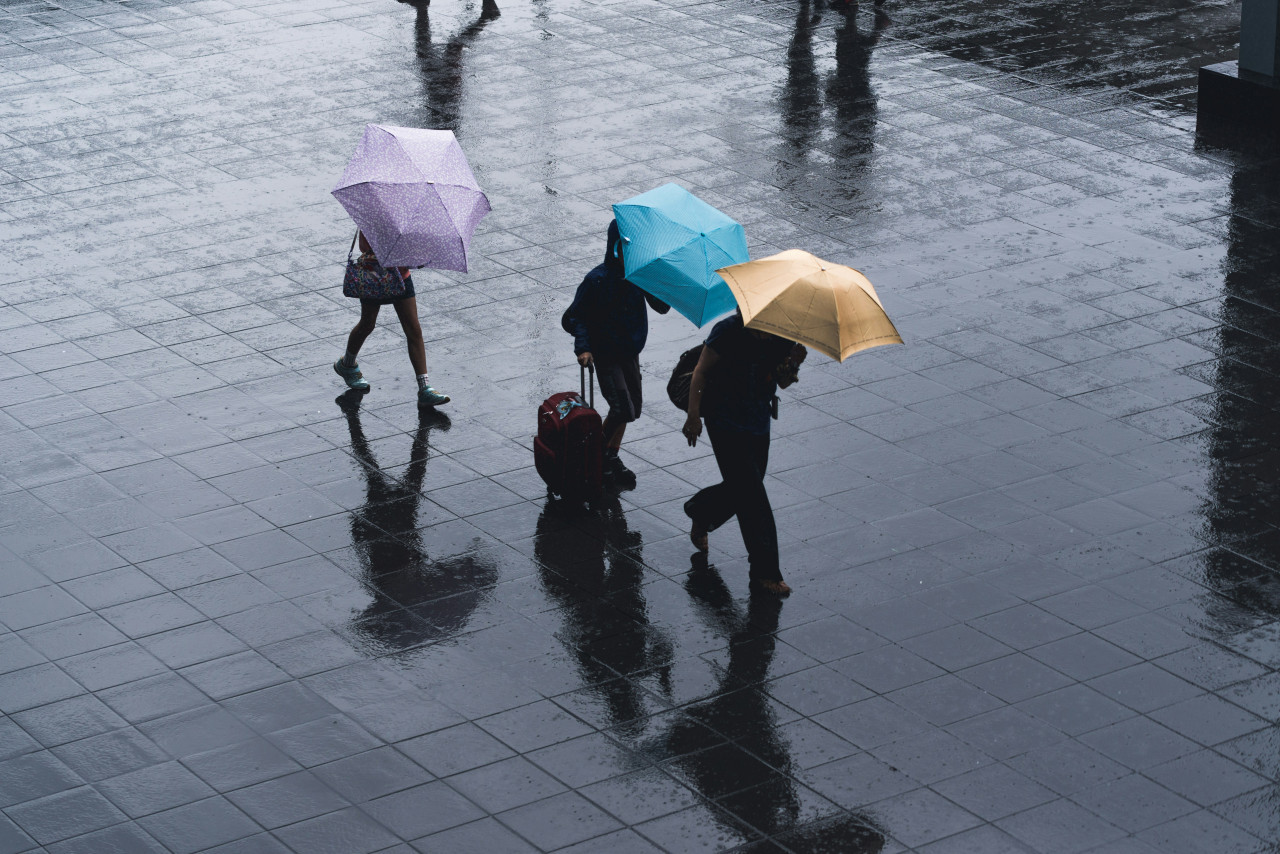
{"x":413,"y":196}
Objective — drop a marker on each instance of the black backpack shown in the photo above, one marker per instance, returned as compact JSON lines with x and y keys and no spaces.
{"x":682,"y":376}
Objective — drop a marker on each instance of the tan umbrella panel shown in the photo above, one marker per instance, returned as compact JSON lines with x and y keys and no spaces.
{"x":798,"y":296}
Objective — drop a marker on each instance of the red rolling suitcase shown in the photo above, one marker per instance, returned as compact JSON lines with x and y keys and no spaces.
{"x":569,"y":448}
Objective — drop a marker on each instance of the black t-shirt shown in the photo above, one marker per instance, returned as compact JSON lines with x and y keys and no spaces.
{"x":742,"y":383}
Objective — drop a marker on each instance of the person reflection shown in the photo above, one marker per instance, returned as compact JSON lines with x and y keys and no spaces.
{"x":590,"y":565}
{"x":1243,"y":511}
{"x":845,"y":93}
{"x":416,"y":599}
{"x":441,"y":65}
{"x":801,"y":95}
{"x":751,"y":776}
{"x":849,"y":91}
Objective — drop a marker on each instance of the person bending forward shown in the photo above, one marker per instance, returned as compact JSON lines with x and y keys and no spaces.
{"x":738,"y":369}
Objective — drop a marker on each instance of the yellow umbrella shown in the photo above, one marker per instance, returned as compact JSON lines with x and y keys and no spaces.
{"x":800,"y":297}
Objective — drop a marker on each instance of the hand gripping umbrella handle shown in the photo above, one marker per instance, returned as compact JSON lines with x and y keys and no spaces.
{"x":582,"y":376}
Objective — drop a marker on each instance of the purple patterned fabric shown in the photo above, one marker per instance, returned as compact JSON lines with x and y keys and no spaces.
{"x":412,"y":193}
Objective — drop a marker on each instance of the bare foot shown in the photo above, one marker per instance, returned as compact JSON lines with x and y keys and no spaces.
{"x":698,"y":536}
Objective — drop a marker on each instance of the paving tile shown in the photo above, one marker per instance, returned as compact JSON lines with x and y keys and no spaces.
{"x":347,"y":830}
{"x":69,"y":720}
{"x":153,"y":789}
{"x":120,"y":838}
{"x":110,"y":754}
{"x":1060,"y":827}
{"x":286,"y":800}
{"x":994,"y":791}
{"x":1198,"y":831}
{"x":484,"y":836}
{"x":886,"y":668}
{"x":923,"y":816}
{"x":1134,"y":803}
{"x":1075,"y":709}
{"x":65,"y":814}
{"x":1208,"y":719}
{"x":1205,"y":777}
{"x":1138,"y":742}
{"x":563,"y":820}
{"x":371,"y":774}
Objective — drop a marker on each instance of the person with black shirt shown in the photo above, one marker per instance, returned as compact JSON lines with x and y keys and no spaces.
{"x":736,"y":379}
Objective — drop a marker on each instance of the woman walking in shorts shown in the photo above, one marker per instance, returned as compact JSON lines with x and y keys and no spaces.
{"x":406,"y":307}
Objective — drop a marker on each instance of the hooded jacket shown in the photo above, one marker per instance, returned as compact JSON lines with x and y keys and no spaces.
{"x":607,"y":317}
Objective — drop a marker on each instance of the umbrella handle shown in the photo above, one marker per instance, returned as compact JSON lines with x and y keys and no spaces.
{"x":582,"y":376}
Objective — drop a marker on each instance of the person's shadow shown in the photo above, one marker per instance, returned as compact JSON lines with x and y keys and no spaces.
{"x":750,"y":777}
{"x":590,"y":566}
{"x":416,"y":599}
{"x":441,"y":65}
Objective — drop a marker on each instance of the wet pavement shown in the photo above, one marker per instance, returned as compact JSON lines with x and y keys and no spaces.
{"x":1035,"y":550}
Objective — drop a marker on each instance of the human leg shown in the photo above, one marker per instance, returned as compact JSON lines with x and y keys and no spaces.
{"x":620,"y":387}
{"x":711,"y":507}
{"x":407,"y":312}
{"x":614,"y":429}
{"x":743,"y":459}
{"x":346,"y":367}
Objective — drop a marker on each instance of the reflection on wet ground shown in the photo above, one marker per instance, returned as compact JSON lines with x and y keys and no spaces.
{"x":415,"y":599}
{"x":1035,"y":550}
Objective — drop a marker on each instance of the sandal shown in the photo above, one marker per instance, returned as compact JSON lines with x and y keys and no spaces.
{"x":778,"y":588}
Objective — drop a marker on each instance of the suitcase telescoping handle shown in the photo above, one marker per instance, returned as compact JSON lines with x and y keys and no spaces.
{"x":582,"y":376}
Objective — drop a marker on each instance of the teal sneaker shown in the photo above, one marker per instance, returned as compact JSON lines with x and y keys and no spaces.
{"x":430,"y":397}
{"x":351,"y":375}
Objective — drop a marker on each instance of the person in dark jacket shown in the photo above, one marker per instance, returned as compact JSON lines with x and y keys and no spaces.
{"x":740,"y":370}
{"x":609,"y":325}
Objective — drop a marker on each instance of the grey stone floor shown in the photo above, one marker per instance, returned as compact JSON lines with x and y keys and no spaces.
{"x":1035,"y":549}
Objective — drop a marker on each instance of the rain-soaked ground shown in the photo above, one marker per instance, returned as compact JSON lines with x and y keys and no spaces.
{"x":1035,"y":549}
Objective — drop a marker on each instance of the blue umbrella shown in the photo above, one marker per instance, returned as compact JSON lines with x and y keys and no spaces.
{"x":673,"y":243}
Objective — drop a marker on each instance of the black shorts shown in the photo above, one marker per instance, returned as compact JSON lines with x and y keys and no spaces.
{"x":620,"y":387}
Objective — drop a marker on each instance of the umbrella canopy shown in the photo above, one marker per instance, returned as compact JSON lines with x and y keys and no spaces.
{"x":800,"y":297}
{"x":673,"y":243}
{"x":412,"y":193}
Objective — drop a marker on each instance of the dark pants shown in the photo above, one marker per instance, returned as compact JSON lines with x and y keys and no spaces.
{"x":742,"y":458}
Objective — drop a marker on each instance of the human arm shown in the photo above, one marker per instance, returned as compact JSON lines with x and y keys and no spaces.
{"x":656,"y":304}
{"x":697,"y":386}
{"x":574,"y":322}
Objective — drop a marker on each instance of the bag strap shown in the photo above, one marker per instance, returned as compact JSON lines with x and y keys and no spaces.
{"x":353,"y":244}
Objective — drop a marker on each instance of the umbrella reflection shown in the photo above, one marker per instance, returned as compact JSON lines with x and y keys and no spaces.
{"x":752,"y":775}
{"x":440,"y":65}
{"x":590,"y":565}
{"x":416,"y":599}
